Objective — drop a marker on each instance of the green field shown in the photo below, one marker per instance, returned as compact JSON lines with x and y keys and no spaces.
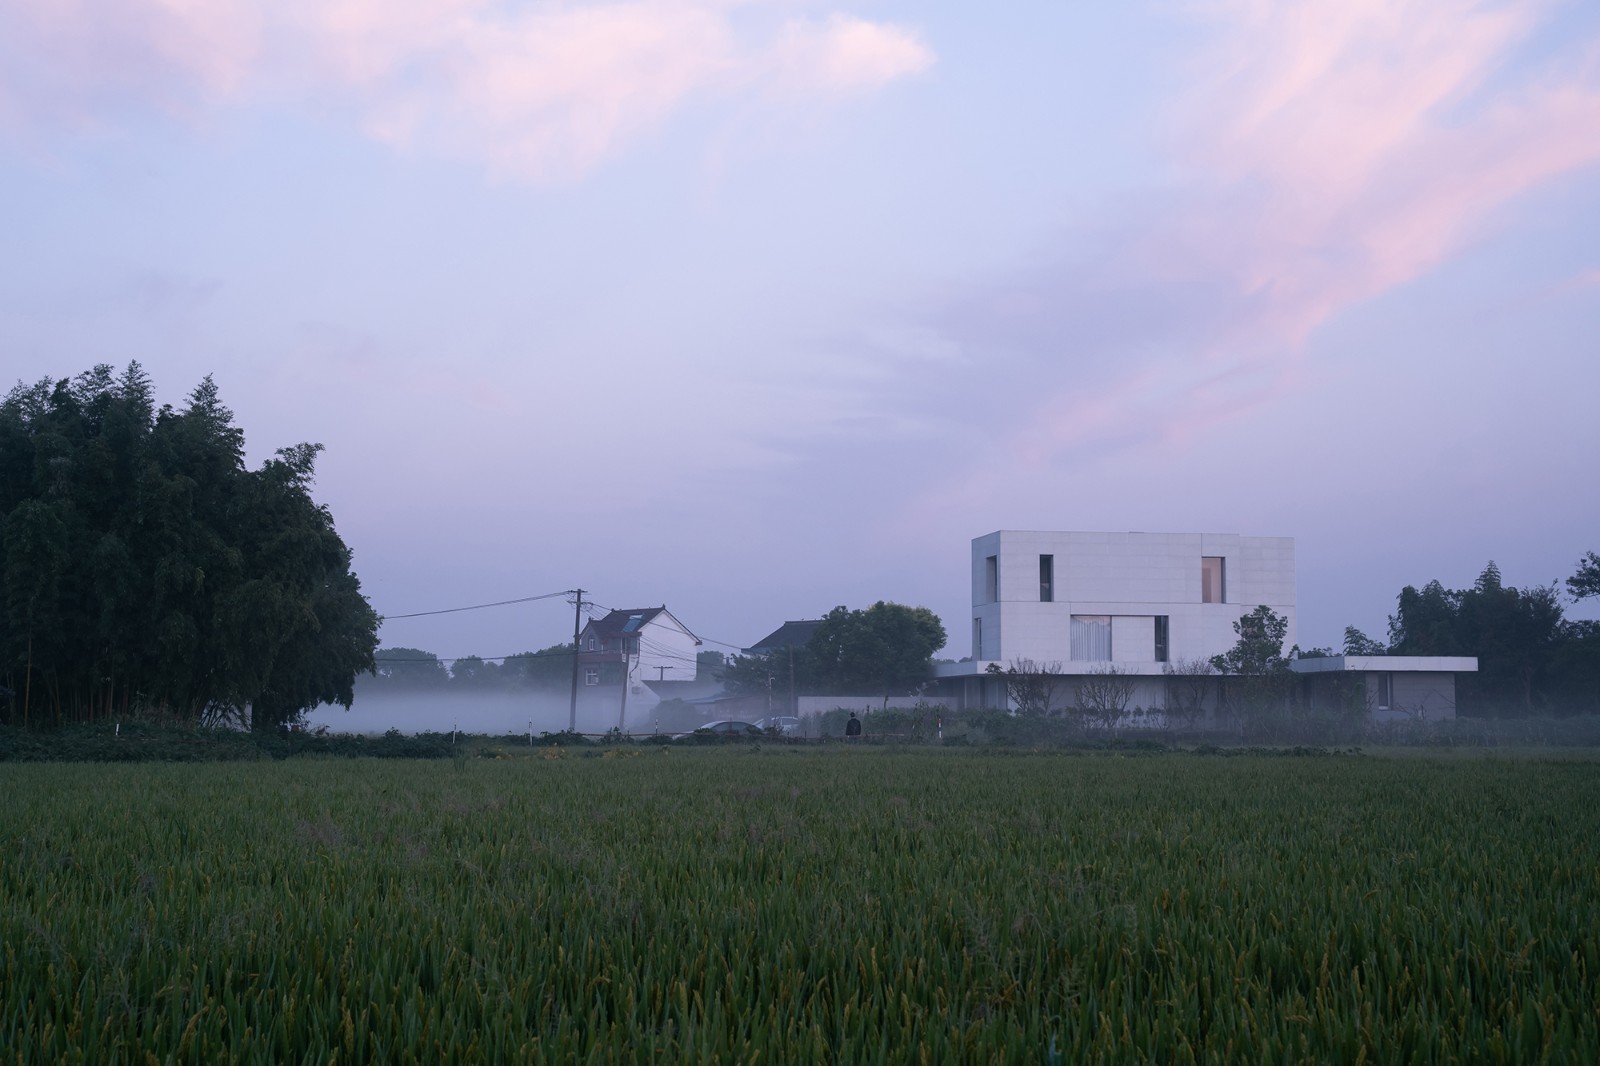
{"x":783,"y":905}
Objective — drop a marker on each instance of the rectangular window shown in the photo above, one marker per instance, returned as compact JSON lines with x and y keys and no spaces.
{"x":1163,"y":645}
{"x":1385,"y":691}
{"x":1047,"y":578}
{"x":1212,"y":580}
{"x":591,"y":644}
{"x":591,"y":676}
{"x":1091,"y":638}
{"x":991,"y":579}
{"x":977,"y":640}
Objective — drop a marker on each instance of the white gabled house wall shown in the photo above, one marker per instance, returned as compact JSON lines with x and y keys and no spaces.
{"x":621,"y":651}
{"x":1028,"y":587}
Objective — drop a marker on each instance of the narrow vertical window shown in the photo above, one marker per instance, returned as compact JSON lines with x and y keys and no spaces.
{"x":1385,"y":691}
{"x":1047,"y":578}
{"x":1163,"y":648}
{"x":977,"y":639}
{"x":1212,"y":578}
{"x":991,"y":579}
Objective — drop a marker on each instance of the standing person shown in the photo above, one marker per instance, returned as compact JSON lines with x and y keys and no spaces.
{"x":852,"y":728}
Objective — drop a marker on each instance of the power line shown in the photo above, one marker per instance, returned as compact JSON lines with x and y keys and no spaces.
{"x":562,"y":654}
{"x":480,"y":606}
{"x":590,"y":609}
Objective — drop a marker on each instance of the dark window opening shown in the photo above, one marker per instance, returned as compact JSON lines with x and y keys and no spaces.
{"x":1163,"y":646}
{"x":1047,"y":578}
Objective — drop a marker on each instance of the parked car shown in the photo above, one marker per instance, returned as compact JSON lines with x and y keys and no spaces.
{"x":726,"y":728}
{"x":787,"y":724}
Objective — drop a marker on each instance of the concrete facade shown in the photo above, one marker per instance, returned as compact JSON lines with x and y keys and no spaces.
{"x":1148,"y":604}
{"x":1126,"y":582}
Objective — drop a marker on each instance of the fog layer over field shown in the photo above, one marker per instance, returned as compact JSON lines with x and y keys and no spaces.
{"x":493,"y":713}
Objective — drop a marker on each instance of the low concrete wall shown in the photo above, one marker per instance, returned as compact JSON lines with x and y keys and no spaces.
{"x":810,"y":705}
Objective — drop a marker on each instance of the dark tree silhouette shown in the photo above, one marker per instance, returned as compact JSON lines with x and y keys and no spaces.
{"x":145,"y":569}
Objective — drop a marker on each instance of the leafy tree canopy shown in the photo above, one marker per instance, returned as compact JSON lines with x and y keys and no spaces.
{"x":1260,"y":692}
{"x":1259,"y":650}
{"x":415,"y":670}
{"x":144,"y":568}
{"x":1358,"y":643}
{"x":885,"y":649}
{"x":1514,"y":633}
{"x":408,"y":668}
{"x":1586,"y":582}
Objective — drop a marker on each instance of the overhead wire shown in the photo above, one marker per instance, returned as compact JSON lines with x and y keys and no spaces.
{"x":543,"y":654}
{"x":481,"y":606}
{"x":591,"y":609}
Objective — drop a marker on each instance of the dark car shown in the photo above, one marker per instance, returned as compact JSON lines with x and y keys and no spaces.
{"x":726,"y":728}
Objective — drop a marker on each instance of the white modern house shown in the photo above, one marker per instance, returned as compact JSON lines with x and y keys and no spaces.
{"x":1145,"y":605}
{"x":1074,"y":603}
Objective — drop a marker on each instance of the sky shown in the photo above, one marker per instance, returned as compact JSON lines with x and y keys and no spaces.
{"x":753,"y":308}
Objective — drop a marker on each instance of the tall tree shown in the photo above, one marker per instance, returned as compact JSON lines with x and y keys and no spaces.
{"x":1260,"y":679}
{"x":407,"y":668}
{"x":547,"y":668}
{"x":1586,"y":581}
{"x":1358,"y":643}
{"x":1514,"y":633}
{"x":143,"y":567}
{"x":886,"y":649}
{"x":770,"y":672}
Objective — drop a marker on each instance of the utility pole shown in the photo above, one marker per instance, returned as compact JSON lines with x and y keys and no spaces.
{"x":577,"y":624}
{"x":662,"y":672}
{"x":627,"y":670}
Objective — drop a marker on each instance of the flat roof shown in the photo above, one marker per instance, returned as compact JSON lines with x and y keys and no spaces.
{"x":1395,"y":664}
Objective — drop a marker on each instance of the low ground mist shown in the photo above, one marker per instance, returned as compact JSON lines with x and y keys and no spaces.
{"x":491,"y":713}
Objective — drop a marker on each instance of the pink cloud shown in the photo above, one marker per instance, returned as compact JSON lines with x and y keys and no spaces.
{"x":1588,"y":279}
{"x":534,"y":90}
{"x":1372,"y":146}
{"x":1336,"y":150}
{"x":845,"y":54}
{"x":1327,"y":152}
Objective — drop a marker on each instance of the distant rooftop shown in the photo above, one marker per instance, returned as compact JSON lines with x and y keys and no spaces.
{"x":788,"y":635}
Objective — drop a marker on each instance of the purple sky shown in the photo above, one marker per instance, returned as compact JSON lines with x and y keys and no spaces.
{"x":756,"y":307}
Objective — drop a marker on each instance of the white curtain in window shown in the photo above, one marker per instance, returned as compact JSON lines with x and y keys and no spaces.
{"x":1091,"y":637}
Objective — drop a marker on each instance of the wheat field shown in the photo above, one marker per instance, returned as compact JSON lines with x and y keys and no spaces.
{"x":782,"y":905}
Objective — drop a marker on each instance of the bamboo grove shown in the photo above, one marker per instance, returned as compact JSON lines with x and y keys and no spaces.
{"x":144,"y":569}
